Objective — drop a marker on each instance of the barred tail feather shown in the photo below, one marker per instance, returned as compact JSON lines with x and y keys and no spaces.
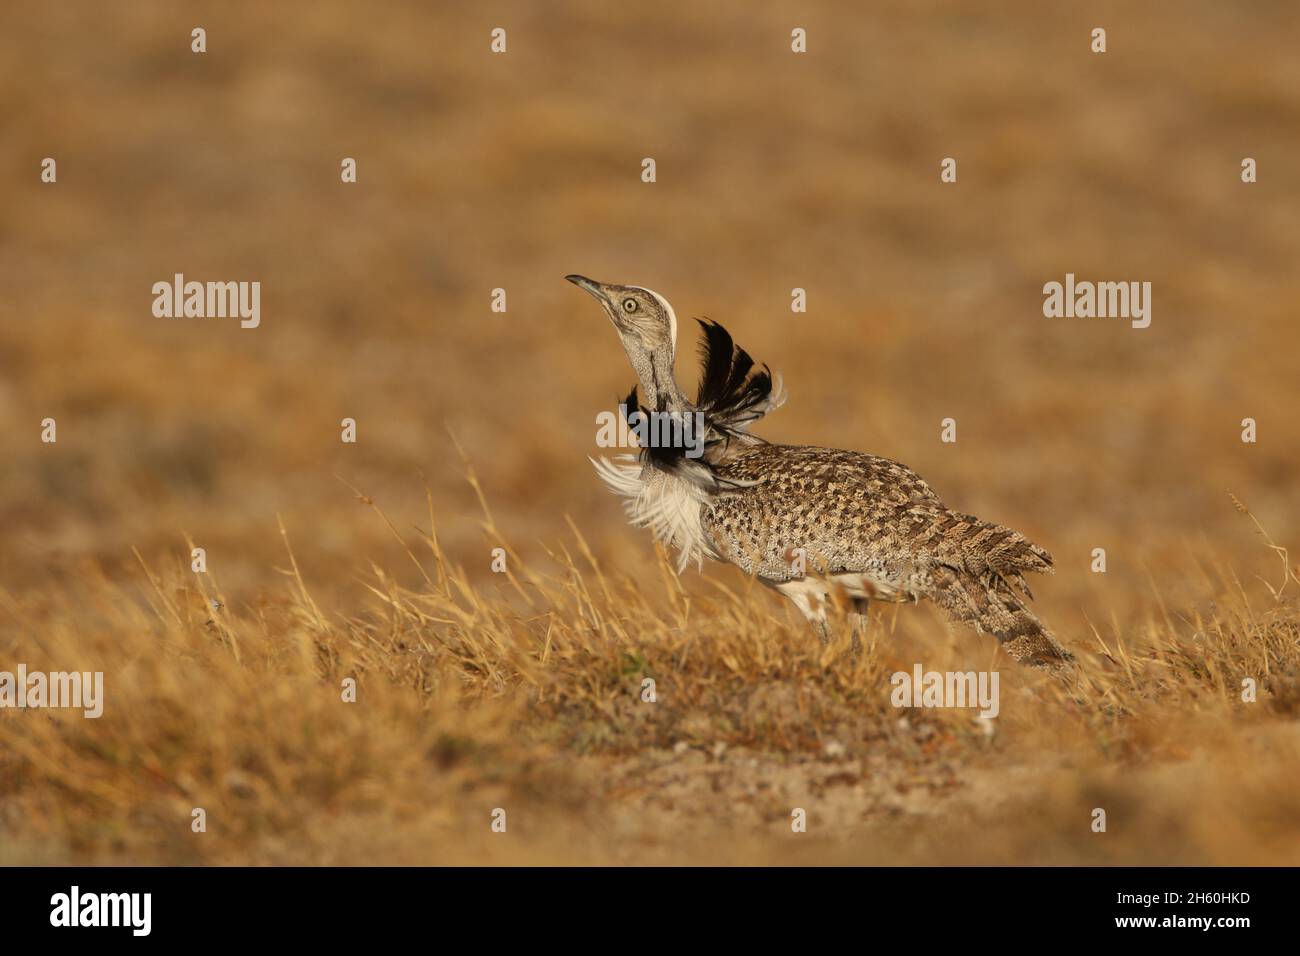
{"x":992,"y":553}
{"x":997,"y":611}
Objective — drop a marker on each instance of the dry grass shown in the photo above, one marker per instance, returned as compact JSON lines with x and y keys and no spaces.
{"x":527,"y":696}
{"x":475,"y":172}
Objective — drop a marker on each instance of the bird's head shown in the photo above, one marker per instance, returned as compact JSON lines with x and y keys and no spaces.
{"x":646,"y":324}
{"x":637,"y":313}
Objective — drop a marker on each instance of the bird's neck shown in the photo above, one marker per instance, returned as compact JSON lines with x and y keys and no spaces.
{"x":658,"y":382}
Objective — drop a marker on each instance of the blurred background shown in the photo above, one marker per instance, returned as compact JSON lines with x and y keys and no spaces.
{"x":774,"y":171}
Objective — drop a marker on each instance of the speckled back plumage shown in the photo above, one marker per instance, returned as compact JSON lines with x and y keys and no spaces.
{"x":859,"y":515}
{"x":848,"y":509}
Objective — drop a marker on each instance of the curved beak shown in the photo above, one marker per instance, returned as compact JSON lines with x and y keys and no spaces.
{"x":586,"y":285}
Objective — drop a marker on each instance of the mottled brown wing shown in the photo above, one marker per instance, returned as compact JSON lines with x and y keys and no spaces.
{"x":848,"y":511}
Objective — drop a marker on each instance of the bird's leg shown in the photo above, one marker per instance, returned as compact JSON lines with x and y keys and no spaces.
{"x":814,"y":609}
{"x":822,"y":628}
{"x":858,"y":623}
{"x":809,"y":597}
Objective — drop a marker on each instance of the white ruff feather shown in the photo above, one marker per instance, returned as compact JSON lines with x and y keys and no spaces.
{"x":670,"y":506}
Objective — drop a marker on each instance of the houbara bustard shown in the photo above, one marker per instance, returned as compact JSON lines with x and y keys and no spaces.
{"x":816,"y":524}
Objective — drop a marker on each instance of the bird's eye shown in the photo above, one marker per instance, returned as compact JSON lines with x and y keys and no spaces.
{"x":630,"y":305}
